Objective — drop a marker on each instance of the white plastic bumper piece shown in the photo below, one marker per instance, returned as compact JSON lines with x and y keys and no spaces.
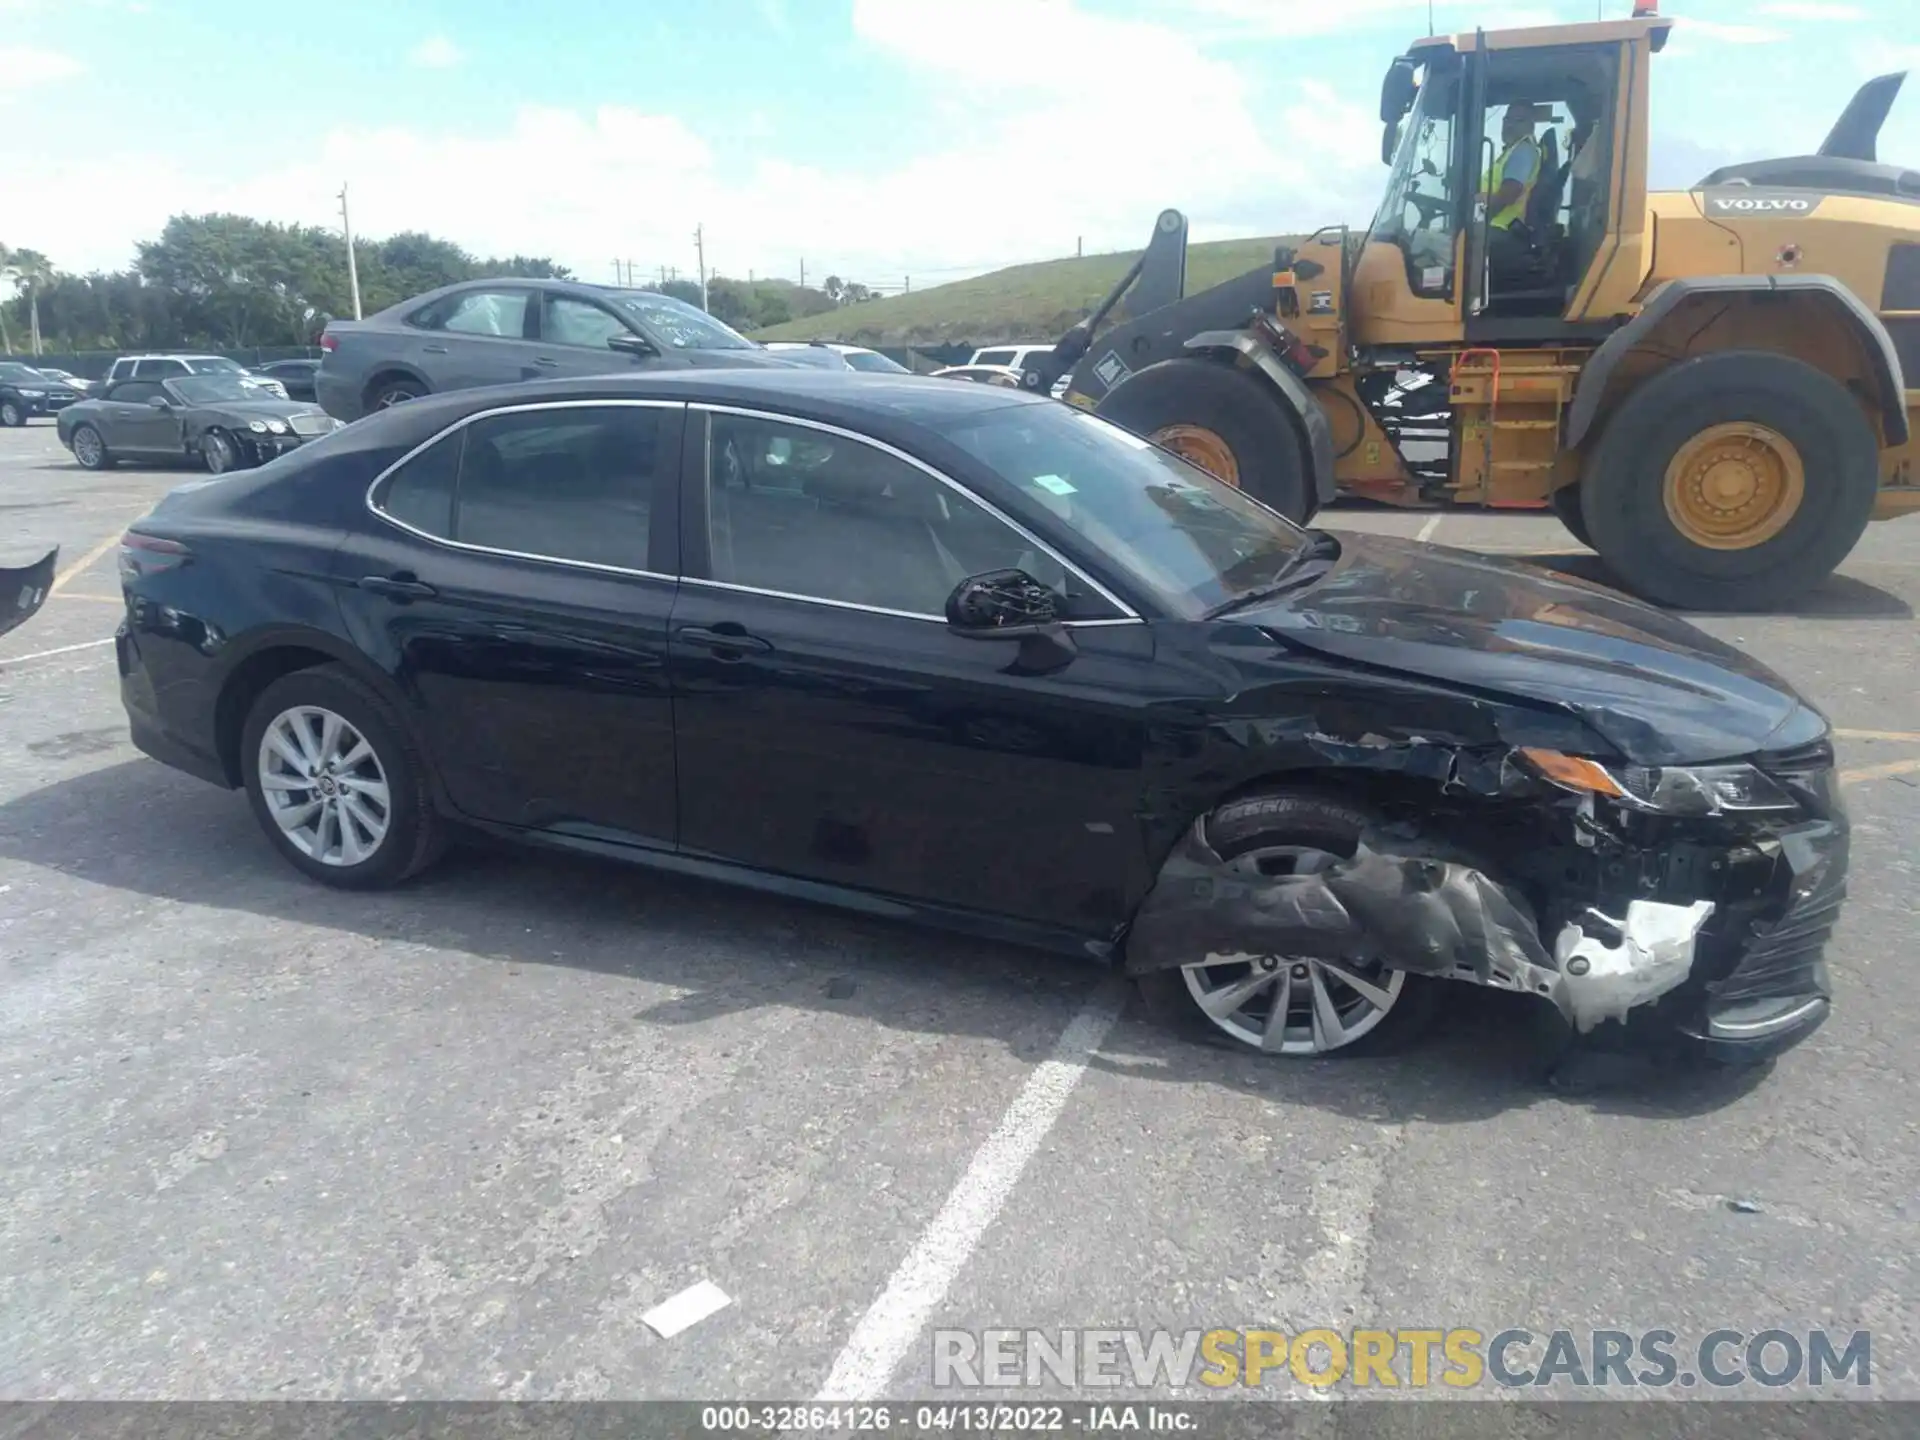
{"x":1600,"y":982}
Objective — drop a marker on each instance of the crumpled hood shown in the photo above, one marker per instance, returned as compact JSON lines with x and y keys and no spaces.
{"x":1658,"y":689}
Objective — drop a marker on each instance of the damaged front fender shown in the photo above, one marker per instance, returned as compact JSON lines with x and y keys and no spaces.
{"x":1410,"y":905}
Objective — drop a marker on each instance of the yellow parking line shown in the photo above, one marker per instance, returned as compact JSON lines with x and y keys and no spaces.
{"x":1879,"y":772}
{"x":60,"y":580}
{"x":76,"y":595}
{"x":1910,"y":737}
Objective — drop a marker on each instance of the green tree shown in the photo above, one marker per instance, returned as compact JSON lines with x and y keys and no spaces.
{"x":34,"y":272}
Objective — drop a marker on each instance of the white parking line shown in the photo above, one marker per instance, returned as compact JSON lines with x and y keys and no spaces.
{"x":887,"y":1330}
{"x":57,"y":650}
{"x":1426,"y":530}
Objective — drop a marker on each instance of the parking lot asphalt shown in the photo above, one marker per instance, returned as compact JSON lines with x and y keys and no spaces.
{"x":264,"y":1140}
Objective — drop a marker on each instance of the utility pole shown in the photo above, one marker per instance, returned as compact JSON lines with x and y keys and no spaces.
{"x":700,"y":249}
{"x":353,"y":268}
{"x":907,"y":288}
{"x":1076,"y":245}
{"x":803,"y":272}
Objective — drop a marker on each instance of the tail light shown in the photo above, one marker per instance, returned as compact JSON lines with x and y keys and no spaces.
{"x":142,"y":555}
{"x":329,"y":343}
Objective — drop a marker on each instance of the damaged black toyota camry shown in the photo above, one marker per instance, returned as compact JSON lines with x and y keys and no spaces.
{"x":965,"y":655}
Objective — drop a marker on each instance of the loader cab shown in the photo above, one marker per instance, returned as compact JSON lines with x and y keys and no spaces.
{"x":1511,"y":154}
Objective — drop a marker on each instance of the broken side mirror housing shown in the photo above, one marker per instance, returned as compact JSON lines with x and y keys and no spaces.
{"x":1012,"y":605}
{"x":1396,"y":90}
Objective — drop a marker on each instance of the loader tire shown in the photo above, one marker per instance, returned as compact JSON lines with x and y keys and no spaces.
{"x":1226,"y":421}
{"x":1734,"y":481}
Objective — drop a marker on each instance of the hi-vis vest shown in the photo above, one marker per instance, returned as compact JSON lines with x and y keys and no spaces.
{"x":1505,"y":216}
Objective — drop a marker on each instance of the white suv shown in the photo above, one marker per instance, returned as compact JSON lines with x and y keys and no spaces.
{"x":1014,"y":357}
{"x":165,"y":367}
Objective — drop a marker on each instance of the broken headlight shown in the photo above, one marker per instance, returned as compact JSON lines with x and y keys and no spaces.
{"x":1665,"y":789}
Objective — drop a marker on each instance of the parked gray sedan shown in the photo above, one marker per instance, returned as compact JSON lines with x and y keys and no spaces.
{"x":220,"y":420}
{"x":498,"y":332}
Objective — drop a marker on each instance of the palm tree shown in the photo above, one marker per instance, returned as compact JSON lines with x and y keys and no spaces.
{"x":33,"y":270}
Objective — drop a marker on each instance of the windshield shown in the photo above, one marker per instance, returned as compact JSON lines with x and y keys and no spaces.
{"x":11,"y":370}
{"x":1417,"y":209}
{"x":874,"y":361}
{"x":210,"y":389}
{"x":216,"y":365}
{"x":681,"y":326}
{"x":1195,"y":542}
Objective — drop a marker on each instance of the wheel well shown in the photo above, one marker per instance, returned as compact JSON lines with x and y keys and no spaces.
{"x":244,"y":685}
{"x":1803,"y":325}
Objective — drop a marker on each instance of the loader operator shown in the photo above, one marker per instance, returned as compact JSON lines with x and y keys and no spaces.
{"x":1507,"y":188}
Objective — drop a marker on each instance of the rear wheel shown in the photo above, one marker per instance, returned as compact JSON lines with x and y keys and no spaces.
{"x":336,"y":782}
{"x":393,"y":390}
{"x":89,"y":449}
{"x":1298,"y":1006}
{"x":1700,"y":493}
{"x":1223,"y":420}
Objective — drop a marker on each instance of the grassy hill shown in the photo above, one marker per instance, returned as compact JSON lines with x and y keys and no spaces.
{"x":1022,"y":302}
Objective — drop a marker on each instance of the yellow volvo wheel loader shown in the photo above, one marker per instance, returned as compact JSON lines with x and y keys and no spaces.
{"x":1708,"y":387}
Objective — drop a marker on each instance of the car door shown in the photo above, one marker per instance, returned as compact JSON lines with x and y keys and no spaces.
{"x":830,"y":725}
{"x":514,"y":578}
{"x":573,"y":338}
{"x":131,"y":424}
{"x":481,"y":336}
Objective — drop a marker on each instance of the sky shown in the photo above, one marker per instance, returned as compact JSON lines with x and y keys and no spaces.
{"x":886,"y":141}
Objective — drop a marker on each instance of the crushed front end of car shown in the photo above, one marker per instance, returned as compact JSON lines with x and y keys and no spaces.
{"x":1688,"y":904}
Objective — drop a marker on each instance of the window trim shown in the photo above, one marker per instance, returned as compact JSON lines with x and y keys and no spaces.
{"x":1128,"y":615}
{"x":473,"y":549}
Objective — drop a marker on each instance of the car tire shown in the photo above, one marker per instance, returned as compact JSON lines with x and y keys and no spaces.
{"x":345,"y":850}
{"x":1565,"y":504}
{"x":220,"y":453}
{"x":1665,"y":497}
{"x":1223,"y":420}
{"x":1279,"y":823}
{"x":13,"y":414}
{"x":393,"y":390}
{"x":89,"y":449}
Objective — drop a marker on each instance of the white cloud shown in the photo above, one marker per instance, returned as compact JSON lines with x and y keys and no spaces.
{"x":436,"y":52}
{"x":1690,"y":28}
{"x":1021,"y":179}
{"x":1813,"y":10}
{"x":22,"y":67}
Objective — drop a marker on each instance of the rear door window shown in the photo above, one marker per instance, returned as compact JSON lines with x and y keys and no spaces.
{"x":993,"y":357}
{"x":501,"y":314}
{"x":159,"y":369}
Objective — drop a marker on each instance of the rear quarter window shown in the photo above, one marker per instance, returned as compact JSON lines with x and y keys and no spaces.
{"x":420,"y":493}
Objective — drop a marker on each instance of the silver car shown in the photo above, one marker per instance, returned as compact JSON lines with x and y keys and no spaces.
{"x":497,"y":332}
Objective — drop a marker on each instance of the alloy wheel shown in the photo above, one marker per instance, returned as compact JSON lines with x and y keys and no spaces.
{"x":10,"y":415}
{"x":1292,"y":1004}
{"x":217,"y":450}
{"x":324,"y":786}
{"x":87,"y":448}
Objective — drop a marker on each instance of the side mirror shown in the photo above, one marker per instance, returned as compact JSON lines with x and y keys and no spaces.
{"x":1396,"y":90}
{"x":1001,"y":603}
{"x":1012,"y":605}
{"x":637,"y":346}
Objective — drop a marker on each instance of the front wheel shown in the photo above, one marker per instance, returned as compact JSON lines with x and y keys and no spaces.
{"x":1731,"y":482}
{"x":12,"y":414}
{"x":1222,"y":420}
{"x":219,"y":452}
{"x":1297,"y":1006}
{"x":336,"y":783}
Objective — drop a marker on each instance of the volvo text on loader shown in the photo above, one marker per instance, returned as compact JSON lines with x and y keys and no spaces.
{"x":1706,"y":386}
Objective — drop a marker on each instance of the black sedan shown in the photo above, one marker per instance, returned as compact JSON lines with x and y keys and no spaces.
{"x":219,"y":420}
{"x":960,"y":653}
{"x":295,"y":376}
{"x":26,"y":392}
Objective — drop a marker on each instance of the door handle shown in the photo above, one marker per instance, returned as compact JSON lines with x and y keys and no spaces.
{"x":402,"y":586}
{"x":727,"y":640}
{"x":434,"y":349}
{"x":547,"y":362}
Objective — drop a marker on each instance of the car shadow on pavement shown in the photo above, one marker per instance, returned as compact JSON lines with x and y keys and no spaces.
{"x":727,"y":950}
{"x":1838,"y":597}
